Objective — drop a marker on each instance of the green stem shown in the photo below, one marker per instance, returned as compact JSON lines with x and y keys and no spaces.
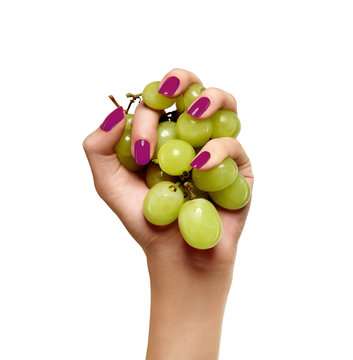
{"x":133,"y":97}
{"x":111,"y":97}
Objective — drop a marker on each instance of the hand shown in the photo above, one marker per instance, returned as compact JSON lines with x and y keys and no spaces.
{"x":178,"y":271}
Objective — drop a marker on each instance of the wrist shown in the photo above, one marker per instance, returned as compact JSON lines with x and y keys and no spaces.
{"x":187,"y":307}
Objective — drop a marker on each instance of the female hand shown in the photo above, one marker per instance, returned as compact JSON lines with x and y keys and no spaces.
{"x":189,"y":287}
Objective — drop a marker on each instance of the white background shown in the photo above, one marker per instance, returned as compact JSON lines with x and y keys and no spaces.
{"x":73,"y":283}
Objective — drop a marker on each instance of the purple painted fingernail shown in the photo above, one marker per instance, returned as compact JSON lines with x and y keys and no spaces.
{"x":112,"y":119}
{"x":200,"y":160}
{"x":142,"y":152}
{"x":170,"y":86}
{"x":199,"y":107}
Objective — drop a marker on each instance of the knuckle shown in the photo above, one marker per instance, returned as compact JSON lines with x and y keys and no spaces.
{"x":214,"y":143}
{"x":105,"y":187}
{"x":235,"y":142}
{"x":89,"y":144}
{"x":179,"y":71}
{"x":101,"y":189}
{"x":233,"y":98}
{"x":224,"y":143}
{"x":212,"y":90}
{"x":176,"y":70}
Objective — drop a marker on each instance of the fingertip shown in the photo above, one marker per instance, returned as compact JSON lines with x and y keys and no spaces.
{"x":211,"y":100}
{"x":200,"y":160}
{"x":113,"y":119}
{"x":104,"y":139}
{"x":144,"y":133}
{"x":169,"y":86}
{"x":199,"y":107}
{"x":142,"y":152}
{"x":176,"y":82}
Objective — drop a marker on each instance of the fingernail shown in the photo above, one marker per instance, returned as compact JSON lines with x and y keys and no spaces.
{"x":112,"y":119}
{"x":199,"y":107}
{"x":142,"y":152}
{"x":200,"y":160}
{"x":170,"y":86}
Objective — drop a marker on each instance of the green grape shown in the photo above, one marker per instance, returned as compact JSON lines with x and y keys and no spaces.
{"x":200,"y":224}
{"x":179,"y":102}
{"x":129,"y":163}
{"x":225,"y":123}
{"x":195,"y":132}
{"x":166,"y":131}
{"x":162,"y":203}
{"x":190,"y":95}
{"x":175,"y":156}
{"x":183,"y":101}
{"x":122,"y":148}
{"x":124,"y":145}
{"x":233,"y":197}
{"x":129,"y":118}
{"x":154,"y":175}
{"x":217,"y":178}
{"x":154,"y":99}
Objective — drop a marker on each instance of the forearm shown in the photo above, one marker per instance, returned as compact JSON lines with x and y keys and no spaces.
{"x":186,"y":313}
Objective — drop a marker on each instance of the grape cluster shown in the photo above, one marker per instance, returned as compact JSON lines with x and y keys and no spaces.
{"x":178,"y":191}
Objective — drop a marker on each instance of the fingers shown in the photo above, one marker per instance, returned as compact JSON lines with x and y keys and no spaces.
{"x":144,"y":133}
{"x":144,"y":126}
{"x":211,"y":100}
{"x":216,"y":150}
{"x":100,"y":145}
{"x":176,"y":82}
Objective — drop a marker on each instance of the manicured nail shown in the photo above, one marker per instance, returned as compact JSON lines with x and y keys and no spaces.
{"x":170,"y":86}
{"x":199,"y":107}
{"x":112,"y":119}
{"x":200,"y":160}
{"x":142,"y":152}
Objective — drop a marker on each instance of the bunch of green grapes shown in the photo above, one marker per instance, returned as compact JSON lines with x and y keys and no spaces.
{"x":176,"y":190}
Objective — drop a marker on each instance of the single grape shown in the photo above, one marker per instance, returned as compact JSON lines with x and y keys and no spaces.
{"x":129,"y":118}
{"x":175,"y":156}
{"x":124,"y":145}
{"x":225,"y":123}
{"x":235,"y":196}
{"x":129,"y":163}
{"x":190,"y":95}
{"x":122,"y":148}
{"x":154,"y":175}
{"x":200,"y":224}
{"x":166,"y":131}
{"x":162,"y":203}
{"x":154,"y":99}
{"x":217,"y":178}
{"x":195,"y":132}
{"x":179,"y":102}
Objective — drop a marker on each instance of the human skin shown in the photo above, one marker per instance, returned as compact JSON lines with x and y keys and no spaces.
{"x":189,"y":287}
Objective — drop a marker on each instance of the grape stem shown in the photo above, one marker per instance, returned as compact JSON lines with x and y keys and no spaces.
{"x":111,"y":97}
{"x":172,"y":188}
{"x":133,"y":98}
{"x":185,"y":176}
{"x":189,"y":185}
{"x":192,"y":195}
